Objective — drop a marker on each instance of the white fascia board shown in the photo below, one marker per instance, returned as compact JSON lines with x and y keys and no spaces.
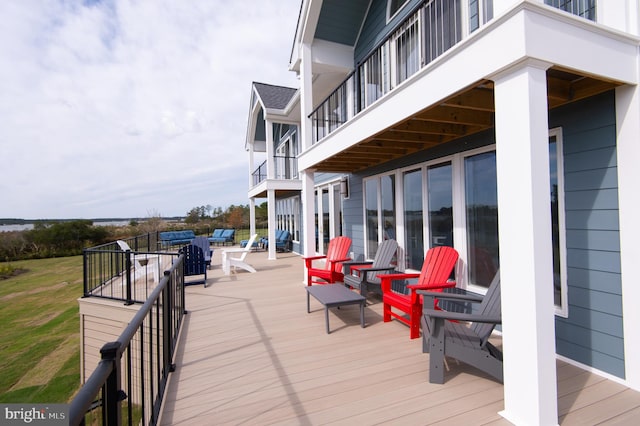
{"x":251,"y":121}
{"x":305,"y":30}
{"x":327,"y":56}
{"x":579,"y":44}
{"x":519,"y":35}
{"x":275,"y":184}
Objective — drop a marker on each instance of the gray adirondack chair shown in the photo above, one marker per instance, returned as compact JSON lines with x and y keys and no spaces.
{"x":468,"y":343}
{"x":364,"y":275}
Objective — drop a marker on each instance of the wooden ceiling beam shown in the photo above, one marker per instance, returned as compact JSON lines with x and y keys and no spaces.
{"x":453,"y":115}
{"x":477,"y":99}
{"x":420,"y":126}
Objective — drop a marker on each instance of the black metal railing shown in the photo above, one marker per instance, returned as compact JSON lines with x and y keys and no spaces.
{"x":286,"y":167}
{"x":128,"y":384}
{"x":126,"y":273}
{"x":583,"y":8}
{"x":260,"y":173}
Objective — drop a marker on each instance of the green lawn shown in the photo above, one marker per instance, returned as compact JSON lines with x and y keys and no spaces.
{"x":40,"y":338}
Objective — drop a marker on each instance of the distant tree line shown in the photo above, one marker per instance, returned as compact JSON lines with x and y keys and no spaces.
{"x":70,"y":237}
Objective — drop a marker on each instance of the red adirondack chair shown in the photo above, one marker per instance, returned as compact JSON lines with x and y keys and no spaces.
{"x":436,"y":270}
{"x":332,"y":271}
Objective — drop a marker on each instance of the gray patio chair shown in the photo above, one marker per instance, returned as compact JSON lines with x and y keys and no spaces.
{"x":364,"y":275}
{"x":468,"y":342}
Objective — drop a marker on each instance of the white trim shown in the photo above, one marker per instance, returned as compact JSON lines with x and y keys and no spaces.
{"x":563,"y":309}
{"x":389,"y":16}
{"x":593,"y":370}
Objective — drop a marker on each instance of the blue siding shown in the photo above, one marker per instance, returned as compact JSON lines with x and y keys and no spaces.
{"x":592,"y":334}
{"x":353,"y":215}
{"x":340,"y":20}
{"x":376,"y":29}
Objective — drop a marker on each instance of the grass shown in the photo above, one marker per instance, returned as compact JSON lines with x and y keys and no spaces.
{"x":40,"y":339}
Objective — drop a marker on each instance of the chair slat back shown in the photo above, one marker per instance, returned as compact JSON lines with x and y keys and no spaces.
{"x":194,"y":263}
{"x":248,"y":247}
{"x":383,"y":258}
{"x":338,"y":249}
{"x":203,"y":243}
{"x":438,"y":265}
{"x":490,"y":306}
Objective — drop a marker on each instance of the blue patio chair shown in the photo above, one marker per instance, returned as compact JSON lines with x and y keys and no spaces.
{"x":203,"y":243}
{"x":194,"y":264}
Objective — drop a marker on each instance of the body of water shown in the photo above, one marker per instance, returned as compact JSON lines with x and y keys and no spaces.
{"x":27,"y":226}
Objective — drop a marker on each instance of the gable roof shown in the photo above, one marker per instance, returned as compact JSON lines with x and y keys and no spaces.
{"x":274,"y":97}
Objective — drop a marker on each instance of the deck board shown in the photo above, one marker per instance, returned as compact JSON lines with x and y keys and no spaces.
{"x":249,"y":353}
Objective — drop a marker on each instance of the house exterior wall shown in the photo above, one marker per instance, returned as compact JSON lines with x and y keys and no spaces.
{"x":593,"y":332}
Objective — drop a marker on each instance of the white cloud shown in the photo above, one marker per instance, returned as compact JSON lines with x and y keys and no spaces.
{"x":117,"y":108}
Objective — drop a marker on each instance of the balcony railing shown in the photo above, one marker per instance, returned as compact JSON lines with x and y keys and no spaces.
{"x":130,"y":276}
{"x":285,"y":168}
{"x":128,"y":385}
{"x":583,"y":8}
{"x":260,"y":173}
{"x":429,"y":31}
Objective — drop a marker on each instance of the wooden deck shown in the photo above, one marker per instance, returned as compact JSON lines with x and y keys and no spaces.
{"x":250,"y":354}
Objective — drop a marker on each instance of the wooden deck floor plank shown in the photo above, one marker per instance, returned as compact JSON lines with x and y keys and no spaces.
{"x":251,"y":354}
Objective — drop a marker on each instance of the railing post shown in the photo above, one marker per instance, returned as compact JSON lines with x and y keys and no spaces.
{"x":168,"y":305}
{"x":85,"y":273}
{"x":111,"y":407}
{"x":128,"y":279}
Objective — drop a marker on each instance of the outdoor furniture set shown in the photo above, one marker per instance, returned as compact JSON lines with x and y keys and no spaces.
{"x":460,"y":335}
{"x":174,"y":238}
{"x":223,"y":236}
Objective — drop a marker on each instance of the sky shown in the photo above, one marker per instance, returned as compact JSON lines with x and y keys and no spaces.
{"x":132,"y":108}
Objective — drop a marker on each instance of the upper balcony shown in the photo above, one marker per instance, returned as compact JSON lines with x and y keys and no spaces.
{"x":272,"y":132}
{"x":452,"y":40}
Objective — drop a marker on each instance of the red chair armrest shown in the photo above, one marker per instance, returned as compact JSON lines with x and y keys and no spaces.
{"x":385,"y":280}
{"x":448,"y":284}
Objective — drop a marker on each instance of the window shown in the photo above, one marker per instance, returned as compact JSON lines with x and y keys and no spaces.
{"x":371,"y":216}
{"x":558,"y":230}
{"x":440,"y":189}
{"x":380,"y":212}
{"x":481,"y":208}
{"x":413,"y":219}
{"x":393,"y":6}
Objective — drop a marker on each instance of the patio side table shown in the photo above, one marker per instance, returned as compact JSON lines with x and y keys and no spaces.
{"x":335,"y":295}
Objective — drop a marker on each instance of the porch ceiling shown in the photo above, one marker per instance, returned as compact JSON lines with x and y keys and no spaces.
{"x":465,"y":113}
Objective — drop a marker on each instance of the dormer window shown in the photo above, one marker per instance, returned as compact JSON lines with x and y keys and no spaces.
{"x":393,"y":6}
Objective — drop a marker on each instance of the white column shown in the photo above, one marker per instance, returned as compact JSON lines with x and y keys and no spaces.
{"x":619,"y":14}
{"x":270,"y":148}
{"x":273,"y":224}
{"x":306,"y":97}
{"x":526,"y":264}
{"x":251,"y":166}
{"x":252,"y":216}
{"x":628,"y":147}
{"x":308,"y":216}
